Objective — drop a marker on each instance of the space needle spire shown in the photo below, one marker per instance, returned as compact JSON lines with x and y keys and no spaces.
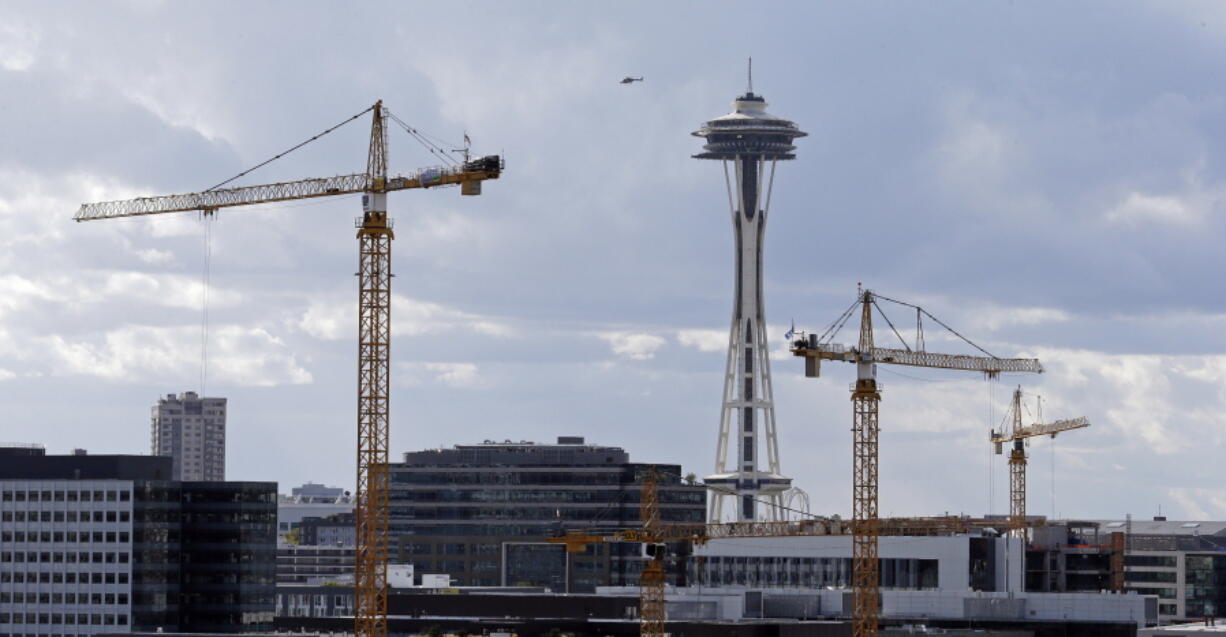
{"x":749,"y":142}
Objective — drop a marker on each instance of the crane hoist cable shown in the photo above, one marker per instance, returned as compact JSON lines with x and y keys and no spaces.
{"x":205,"y":275}
{"x":206,"y":219}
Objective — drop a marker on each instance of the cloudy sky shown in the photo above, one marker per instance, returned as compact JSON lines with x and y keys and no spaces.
{"x":1044,"y":177}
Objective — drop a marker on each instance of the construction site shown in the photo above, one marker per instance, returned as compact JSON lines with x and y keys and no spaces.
{"x":761,"y":563}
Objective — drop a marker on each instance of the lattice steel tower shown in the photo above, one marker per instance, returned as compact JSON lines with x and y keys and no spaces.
{"x":749,"y":141}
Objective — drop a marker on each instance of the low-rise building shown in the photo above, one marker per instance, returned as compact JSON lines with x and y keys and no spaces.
{"x":102,"y":544}
{"x":309,"y":501}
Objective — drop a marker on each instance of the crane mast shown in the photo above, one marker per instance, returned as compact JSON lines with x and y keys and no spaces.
{"x":866,"y":399}
{"x":374,"y":234}
{"x":374,"y":359}
{"x":1017,"y":456}
{"x":651,"y":582}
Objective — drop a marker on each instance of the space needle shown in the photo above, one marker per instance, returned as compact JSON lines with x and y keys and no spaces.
{"x":750,"y":142}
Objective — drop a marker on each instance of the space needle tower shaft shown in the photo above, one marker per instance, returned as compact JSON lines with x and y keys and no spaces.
{"x":749,"y":142}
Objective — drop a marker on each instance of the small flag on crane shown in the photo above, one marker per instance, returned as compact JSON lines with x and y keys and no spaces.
{"x":791,"y":332}
{"x":467,"y":141}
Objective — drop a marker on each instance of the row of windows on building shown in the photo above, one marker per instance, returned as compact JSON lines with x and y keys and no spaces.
{"x":1150,"y":576}
{"x":451,"y":548}
{"x":300,"y":605}
{"x":53,"y":619}
{"x":64,"y":536}
{"x":1162,"y":561}
{"x":432,"y":512}
{"x":538,"y":495}
{"x":809,"y":572}
{"x":57,"y":577}
{"x":61,"y":495}
{"x":535,"y":529}
{"x":65,"y":557}
{"x":7,"y":597}
{"x":65,"y":516}
{"x":435,"y":475}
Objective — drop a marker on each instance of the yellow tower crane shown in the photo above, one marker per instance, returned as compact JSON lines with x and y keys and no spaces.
{"x":1017,"y":457}
{"x":374,"y":318}
{"x":866,"y":396}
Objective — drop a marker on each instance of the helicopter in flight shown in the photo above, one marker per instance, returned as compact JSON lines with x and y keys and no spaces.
{"x":630,"y":80}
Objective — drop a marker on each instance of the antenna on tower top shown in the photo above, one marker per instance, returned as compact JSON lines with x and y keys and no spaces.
{"x":750,"y":89}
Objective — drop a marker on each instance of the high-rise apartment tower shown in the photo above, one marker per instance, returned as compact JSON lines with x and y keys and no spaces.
{"x":749,"y":141}
{"x":192,"y":430}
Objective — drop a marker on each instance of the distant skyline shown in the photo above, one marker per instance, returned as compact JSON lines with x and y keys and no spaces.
{"x":1046,"y":178}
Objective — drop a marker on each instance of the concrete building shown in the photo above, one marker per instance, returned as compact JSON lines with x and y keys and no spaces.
{"x":934,"y":563}
{"x":192,"y":430}
{"x":482,"y":513}
{"x":102,"y":544}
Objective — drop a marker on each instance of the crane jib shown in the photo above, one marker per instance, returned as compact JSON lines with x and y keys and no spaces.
{"x":476,"y":170}
{"x":985,"y":364}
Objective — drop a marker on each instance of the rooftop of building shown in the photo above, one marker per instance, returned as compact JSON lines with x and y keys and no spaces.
{"x":1184,"y":629}
{"x":1162,"y":527}
{"x":21,"y":449}
{"x":567,"y":451}
{"x":314,"y":493}
{"x":31,"y":462}
{"x":188,"y":396}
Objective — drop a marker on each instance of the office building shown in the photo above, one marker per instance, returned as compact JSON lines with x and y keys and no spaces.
{"x":1182,"y":562}
{"x":482,"y":513}
{"x":102,"y":544}
{"x":192,"y":431}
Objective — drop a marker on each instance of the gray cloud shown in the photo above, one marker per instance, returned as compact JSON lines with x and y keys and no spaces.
{"x":1047,"y":187}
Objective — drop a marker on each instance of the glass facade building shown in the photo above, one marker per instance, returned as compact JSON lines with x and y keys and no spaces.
{"x":98,"y":544}
{"x":482,"y":513}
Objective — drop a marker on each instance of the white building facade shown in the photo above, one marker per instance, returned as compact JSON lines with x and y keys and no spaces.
{"x":65,"y":557}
